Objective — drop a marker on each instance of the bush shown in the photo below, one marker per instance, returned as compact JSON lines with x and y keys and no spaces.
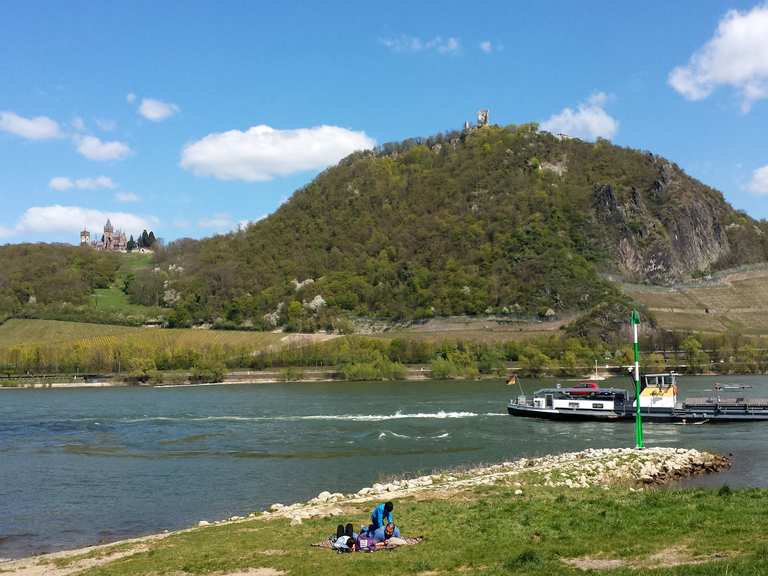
{"x":207,"y":372}
{"x":291,"y":374}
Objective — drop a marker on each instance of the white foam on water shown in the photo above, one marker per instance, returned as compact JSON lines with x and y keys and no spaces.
{"x":441,"y":414}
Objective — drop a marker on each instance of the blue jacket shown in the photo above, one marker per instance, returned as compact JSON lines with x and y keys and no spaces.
{"x":379,"y":517}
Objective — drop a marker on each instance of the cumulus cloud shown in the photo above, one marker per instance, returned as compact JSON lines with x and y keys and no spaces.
{"x":412,"y":44}
{"x":130,"y":97}
{"x":95,"y":149}
{"x":736,"y":56}
{"x":588,"y":121}
{"x":486,"y":46}
{"x":78,"y":123}
{"x":71,"y":219}
{"x":97,"y":183}
{"x":758,"y":184}
{"x":126,"y":197}
{"x":37,"y":128}
{"x":157,"y":110}
{"x":262,"y":153}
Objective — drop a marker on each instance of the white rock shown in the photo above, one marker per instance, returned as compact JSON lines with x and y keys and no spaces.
{"x":295,"y":520}
{"x":323,"y":496}
{"x":276,"y":506}
{"x":203,"y":523}
{"x":518,"y":492}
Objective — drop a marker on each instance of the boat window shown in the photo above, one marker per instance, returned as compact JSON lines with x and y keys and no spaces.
{"x":597,"y":405}
{"x":573,"y":404}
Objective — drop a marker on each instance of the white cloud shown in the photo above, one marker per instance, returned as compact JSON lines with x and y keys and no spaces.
{"x":589,"y":121}
{"x":37,"y":128}
{"x":243,"y":224}
{"x":220,"y":222}
{"x":157,"y":110}
{"x":94,"y":149}
{"x":97,"y":183}
{"x":78,"y":123}
{"x":130,"y":97}
{"x":262,"y":153}
{"x":105,"y":124}
{"x":758,"y":184}
{"x":736,"y":56}
{"x":486,"y":46}
{"x":126,"y":197}
{"x":71,"y":219}
{"x":412,"y":44}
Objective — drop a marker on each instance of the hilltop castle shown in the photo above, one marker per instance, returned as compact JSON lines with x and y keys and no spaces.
{"x":111,"y":240}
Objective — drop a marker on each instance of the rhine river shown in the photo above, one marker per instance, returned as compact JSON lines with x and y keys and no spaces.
{"x":83,"y":466}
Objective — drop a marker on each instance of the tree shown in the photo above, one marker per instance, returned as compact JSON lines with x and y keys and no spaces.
{"x":697,"y":359}
{"x":131,"y":244}
{"x":151,"y":239}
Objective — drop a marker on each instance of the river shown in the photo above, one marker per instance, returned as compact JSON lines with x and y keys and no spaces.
{"x":83,"y":466}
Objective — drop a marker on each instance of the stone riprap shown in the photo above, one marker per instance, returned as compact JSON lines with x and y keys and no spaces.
{"x":603,"y":467}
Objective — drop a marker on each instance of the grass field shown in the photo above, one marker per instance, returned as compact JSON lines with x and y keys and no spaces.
{"x":16,"y":332}
{"x":737,"y":299}
{"x":492,"y":531}
{"x":113,"y":299}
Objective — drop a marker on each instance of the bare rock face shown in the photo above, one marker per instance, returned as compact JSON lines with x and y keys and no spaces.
{"x":666,"y":232}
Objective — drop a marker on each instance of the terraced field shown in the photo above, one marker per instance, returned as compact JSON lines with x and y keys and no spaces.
{"x":52,"y":332}
{"x":733,"y":299}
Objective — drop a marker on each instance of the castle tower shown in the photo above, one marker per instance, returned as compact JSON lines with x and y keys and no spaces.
{"x":85,"y":237}
{"x":482,"y":118}
{"x":108,"y":231}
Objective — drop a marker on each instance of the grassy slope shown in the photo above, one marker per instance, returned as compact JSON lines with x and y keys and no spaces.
{"x":492,"y":531}
{"x":113,"y":299}
{"x":734,"y":300}
{"x":17,"y":332}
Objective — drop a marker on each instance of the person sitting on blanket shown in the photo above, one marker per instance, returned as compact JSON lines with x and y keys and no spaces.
{"x":381,"y":516}
{"x":384,"y":533}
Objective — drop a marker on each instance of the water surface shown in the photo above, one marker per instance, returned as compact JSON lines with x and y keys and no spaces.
{"x":83,"y":466}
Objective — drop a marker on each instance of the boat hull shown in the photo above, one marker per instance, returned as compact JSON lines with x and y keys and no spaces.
{"x":672,"y":416}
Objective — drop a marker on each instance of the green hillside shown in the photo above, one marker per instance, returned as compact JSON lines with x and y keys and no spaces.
{"x":504,"y":221}
{"x":508,"y":221}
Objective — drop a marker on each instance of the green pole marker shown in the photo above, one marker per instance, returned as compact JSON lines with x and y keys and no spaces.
{"x":638,"y":418}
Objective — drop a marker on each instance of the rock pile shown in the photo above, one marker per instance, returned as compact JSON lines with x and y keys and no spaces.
{"x":603,"y":467}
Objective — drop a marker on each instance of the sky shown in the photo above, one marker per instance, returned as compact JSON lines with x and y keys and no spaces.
{"x":194,"y":118}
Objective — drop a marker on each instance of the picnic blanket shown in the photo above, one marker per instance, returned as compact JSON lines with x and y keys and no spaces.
{"x":391,"y":544}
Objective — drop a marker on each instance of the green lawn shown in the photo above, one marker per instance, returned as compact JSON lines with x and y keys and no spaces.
{"x":113,"y":299}
{"x":491,"y":531}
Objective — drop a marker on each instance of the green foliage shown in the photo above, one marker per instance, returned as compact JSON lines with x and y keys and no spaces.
{"x":44,"y":274}
{"x":480,"y":224}
{"x":291,"y":374}
{"x":208,"y":371}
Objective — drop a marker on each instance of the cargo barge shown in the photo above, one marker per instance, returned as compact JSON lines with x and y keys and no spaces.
{"x":659,"y":402}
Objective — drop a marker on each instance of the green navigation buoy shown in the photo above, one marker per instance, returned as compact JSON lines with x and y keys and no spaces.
{"x":638,"y":419}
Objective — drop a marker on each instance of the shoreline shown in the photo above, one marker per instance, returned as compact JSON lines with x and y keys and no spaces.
{"x":608,"y":469}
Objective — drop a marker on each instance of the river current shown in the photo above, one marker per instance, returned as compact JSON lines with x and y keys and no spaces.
{"x":82,"y":466}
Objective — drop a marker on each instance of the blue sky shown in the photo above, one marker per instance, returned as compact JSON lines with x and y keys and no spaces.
{"x":191,"y":117}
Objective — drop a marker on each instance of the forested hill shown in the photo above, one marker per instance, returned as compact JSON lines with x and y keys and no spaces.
{"x":499,"y":220}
